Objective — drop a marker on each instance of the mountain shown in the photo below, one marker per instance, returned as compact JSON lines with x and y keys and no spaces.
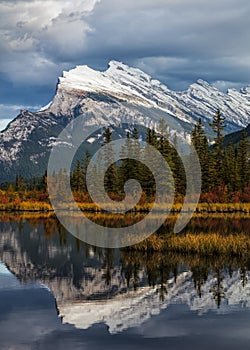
{"x":120,"y":94}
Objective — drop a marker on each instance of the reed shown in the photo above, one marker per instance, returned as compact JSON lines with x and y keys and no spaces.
{"x":26,"y":206}
{"x":17,"y":204}
{"x":200,"y":243}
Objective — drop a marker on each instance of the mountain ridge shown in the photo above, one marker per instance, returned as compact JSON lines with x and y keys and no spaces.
{"x":120,"y":94}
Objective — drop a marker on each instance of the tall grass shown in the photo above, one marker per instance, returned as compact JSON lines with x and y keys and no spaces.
{"x":145,"y":208}
{"x":203,"y":244}
{"x":25,"y":206}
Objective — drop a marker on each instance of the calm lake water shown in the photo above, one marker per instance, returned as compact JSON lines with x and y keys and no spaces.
{"x":58,"y":292}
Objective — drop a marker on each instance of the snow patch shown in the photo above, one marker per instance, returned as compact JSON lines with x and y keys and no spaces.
{"x":91,"y":140}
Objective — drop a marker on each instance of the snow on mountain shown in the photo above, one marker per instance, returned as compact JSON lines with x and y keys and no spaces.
{"x":118,"y":80}
{"x":120,"y":94}
{"x":45,"y":107}
{"x":200,"y":100}
{"x":203,"y":100}
{"x":134,"y":308}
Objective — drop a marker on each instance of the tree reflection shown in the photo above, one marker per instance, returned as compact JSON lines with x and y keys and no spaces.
{"x":218,"y":288}
{"x":39,"y":248}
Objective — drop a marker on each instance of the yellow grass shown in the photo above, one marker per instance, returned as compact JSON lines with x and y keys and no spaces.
{"x":201,"y":243}
{"x":92,"y":207}
{"x":25,"y":206}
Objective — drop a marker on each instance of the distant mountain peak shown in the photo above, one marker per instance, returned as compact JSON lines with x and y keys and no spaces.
{"x":119,"y":95}
{"x":203,"y":83}
{"x":118,"y":79}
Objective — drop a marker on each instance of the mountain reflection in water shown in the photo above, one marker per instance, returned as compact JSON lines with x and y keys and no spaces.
{"x":122,"y":289}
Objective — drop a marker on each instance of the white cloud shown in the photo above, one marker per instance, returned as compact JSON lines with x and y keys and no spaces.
{"x":34,"y":33}
{"x":176,"y":41}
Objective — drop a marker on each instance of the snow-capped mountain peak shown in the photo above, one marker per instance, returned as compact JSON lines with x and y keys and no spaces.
{"x":121,"y":94}
{"x":118,"y":80}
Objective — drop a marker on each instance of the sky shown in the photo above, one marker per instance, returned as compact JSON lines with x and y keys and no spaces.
{"x":175,"y":41}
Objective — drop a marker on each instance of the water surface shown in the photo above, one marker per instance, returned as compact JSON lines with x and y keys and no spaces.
{"x":56,"y":291}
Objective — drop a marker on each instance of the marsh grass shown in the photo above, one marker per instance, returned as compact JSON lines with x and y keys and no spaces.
{"x":200,"y":243}
{"x":33,"y":206}
{"x":202,"y":208}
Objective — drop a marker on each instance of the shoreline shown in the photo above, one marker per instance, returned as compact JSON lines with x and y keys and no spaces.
{"x":201,"y":208}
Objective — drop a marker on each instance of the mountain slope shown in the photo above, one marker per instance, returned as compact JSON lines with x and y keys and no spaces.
{"x":235,"y":137}
{"x":119,"y":95}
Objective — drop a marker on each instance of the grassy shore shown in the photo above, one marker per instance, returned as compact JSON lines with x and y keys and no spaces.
{"x":92,"y":207}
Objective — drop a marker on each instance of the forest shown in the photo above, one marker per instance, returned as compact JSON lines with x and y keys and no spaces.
{"x":225,"y":170}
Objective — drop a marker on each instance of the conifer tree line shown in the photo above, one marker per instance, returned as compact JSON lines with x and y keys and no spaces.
{"x":129,"y":168}
{"x":224,"y":169}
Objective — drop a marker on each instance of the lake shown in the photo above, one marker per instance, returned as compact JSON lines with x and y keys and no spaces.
{"x":58,"y":292}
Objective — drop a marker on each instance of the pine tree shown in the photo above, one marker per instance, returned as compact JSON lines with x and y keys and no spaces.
{"x":125,"y":169}
{"x":200,"y":143}
{"x":130,"y":168}
{"x":178,"y":169}
{"x":218,"y":125}
{"x":165,"y":149}
{"x":243,"y":162}
{"x":43,"y":184}
{"x":148,"y":180}
{"x":84,"y":167}
{"x":218,"y":289}
{"x":230,"y":176}
{"x":20,"y":183}
{"x":110,"y":180}
{"x":77,"y":177}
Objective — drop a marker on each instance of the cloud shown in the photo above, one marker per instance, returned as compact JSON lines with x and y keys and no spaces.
{"x":176,"y":41}
{"x":32,"y":30}
{"x":203,"y":39}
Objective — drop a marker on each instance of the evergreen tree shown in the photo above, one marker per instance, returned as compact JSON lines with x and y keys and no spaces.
{"x":148,"y":180}
{"x":108,"y":264}
{"x":77,"y":177}
{"x":20,"y":183}
{"x":218,"y":125}
{"x":43,"y":184}
{"x":85,"y":164}
{"x":110,"y":180}
{"x":218,"y":289}
{"x":243,"y":162}
{"x":130,"y":168}
{"x":231,"y":176}
{"x":200,"y":143}
{"x":178,"y":169}
{"x":165,"y":149}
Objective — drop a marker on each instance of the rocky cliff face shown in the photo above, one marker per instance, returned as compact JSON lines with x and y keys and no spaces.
{"x":119,"y":95}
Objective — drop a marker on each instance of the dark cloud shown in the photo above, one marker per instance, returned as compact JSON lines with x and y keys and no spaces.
{"x":176,"y":41}
{"x":203,"y":39}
